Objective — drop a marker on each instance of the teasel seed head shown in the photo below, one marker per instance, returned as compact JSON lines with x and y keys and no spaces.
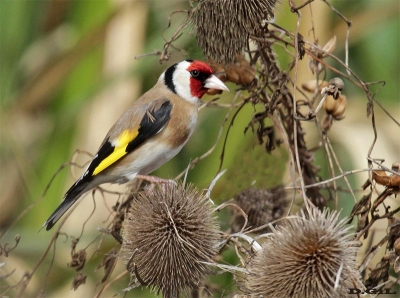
{"x":261,"y":206}
{"x":169,"y":232}
{"x":223,"y":26}
{"x":307,"y":256}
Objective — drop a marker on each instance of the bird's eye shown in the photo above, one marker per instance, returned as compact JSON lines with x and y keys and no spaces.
{"x":194,"y":73}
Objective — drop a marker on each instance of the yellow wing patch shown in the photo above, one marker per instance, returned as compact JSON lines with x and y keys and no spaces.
{"x":124,"y":139}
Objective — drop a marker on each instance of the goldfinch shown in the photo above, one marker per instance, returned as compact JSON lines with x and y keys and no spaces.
{"x":151,"y":132}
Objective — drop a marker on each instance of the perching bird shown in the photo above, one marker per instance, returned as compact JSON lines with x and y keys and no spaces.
{"x":152,"y":131}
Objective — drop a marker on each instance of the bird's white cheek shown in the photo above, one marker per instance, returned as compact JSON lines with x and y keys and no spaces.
{"x":184,"y":92}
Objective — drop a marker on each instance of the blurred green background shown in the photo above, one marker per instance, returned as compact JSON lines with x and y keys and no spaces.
{"x":68,"y":70}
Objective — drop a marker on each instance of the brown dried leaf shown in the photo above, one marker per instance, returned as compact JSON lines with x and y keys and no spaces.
{"x":362,"y":209}
{"x":108,"y":263}
{"x":79,"y":279}
{"x":78,"y":259}
{"x":383,"y":179}
{"x":394,"y":234}
{"x":301,"y":46}
{"x":379,"y":273}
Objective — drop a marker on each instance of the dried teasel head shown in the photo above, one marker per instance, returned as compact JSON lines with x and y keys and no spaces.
{"x":223,"y":27}
{"x":169,"y":233}
{"x":261,"y":206}
{"x":308,"y":256}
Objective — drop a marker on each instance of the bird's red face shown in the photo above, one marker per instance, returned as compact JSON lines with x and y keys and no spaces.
{"x":191,"y":79}
{"x":199,"y":73}
{"x":202,"y":79}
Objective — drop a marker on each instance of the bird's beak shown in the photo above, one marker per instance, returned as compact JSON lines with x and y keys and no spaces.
{"x":214,"y":83}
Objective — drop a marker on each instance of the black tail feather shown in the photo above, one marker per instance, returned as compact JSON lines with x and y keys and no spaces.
{"x":72,"y":195}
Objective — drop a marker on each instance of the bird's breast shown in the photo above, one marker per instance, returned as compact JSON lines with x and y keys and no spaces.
{"x":181,"y":125}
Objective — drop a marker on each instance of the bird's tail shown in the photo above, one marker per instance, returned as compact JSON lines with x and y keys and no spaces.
{"x":72,"y":195}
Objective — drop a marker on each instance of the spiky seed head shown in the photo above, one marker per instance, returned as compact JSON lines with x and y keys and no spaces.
{"x":223,"y":26}
{"x":169,"y":233}
{"x":304,"y":257}
{"x":261,"y":206}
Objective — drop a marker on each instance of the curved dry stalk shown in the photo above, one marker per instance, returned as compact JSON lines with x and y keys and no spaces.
{"x":164,"y":54}
{"x":27,"y":209}
{"x":347,"y":173}
{"x":340,"y":169}
{"x":106,"y":286}
{"x":296,"y":149}
{"x":226,"y":204}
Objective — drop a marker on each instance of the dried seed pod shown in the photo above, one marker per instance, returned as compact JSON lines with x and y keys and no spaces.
{"x":310,"y":86}
{"x":213,"y":92}
{"x":239,"y":72}
{"x":314,"y":65}
{"x":308,"y":256}
{"x":329,"y":105}
{"x":329,"y":47}
{"x":247,"y":75}
{"x":217,"y":68}
{"x":337,"y":83}
{"x":169,"y":234}
{"x":232,"y":74}
{"x":341,"y":104}
{"x":335,"y":86}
